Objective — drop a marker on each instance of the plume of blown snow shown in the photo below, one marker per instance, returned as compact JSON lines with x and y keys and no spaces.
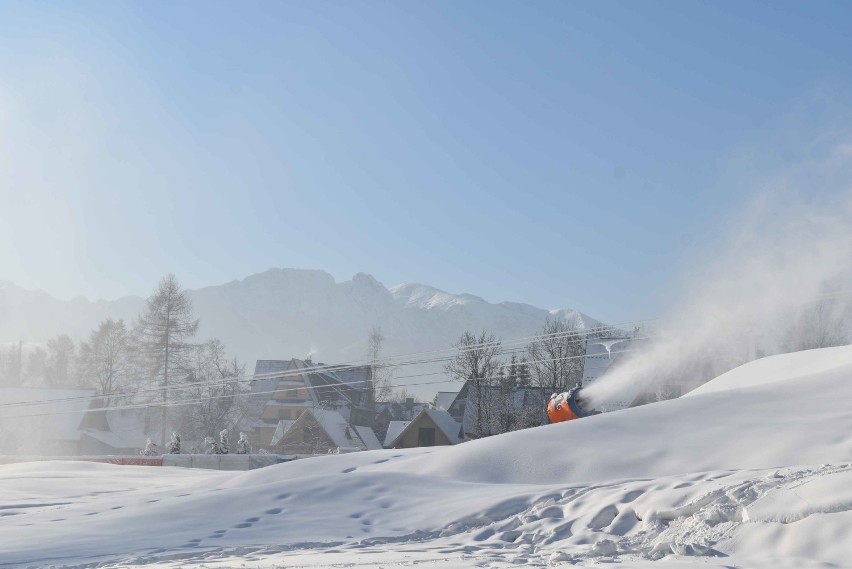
{"x":787,"y":255}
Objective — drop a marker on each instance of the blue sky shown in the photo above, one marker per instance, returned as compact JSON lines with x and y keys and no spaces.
{"x":562,"y":154}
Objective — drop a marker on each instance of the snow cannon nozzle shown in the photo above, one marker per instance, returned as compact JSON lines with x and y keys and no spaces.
{"x":568,"y":406}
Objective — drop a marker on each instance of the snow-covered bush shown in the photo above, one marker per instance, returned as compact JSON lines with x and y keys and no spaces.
{"x":173,"y":446}
{"x":150,"y":449}
{"x":212,"y":446}
{"x":223,"y":441}
{"x":243,"y":445}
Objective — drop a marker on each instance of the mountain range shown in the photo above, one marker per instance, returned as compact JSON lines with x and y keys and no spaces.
{"x":284,"y":313}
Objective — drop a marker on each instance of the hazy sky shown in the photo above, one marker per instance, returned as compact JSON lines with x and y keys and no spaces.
{"x":561,"y":154}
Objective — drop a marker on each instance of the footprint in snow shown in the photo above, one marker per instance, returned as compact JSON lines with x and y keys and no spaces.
{"x":631,"y":496}
{"x":274,"y":511}
{"x":604,"y":517}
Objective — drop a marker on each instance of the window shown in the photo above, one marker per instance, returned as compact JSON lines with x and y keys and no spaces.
{"x":426,"y":437}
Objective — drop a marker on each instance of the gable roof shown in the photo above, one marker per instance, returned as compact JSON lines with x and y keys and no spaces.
{"x":349,"y":384}
{"x":445,"y":399}
{"x":368,"y":437}
{"x":443,"y":420}
{"x":334,"y":425}
{"x":282,"y":427}
{"x":449,"y":426}
{"x":339,"y":431}
{"x":394,"y":429}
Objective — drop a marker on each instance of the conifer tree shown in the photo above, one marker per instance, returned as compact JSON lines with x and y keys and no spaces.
{"x":164,"y":331}
{"x":223,"y":441}
{"x":173,"y":446}
{"x":243,"y":445}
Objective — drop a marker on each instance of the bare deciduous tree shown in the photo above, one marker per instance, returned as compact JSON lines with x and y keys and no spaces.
{"x":476,"y":362}
{"x":104,"y":359}
{"x":818,"y":325}
{"x":60,"y":356}
{"x":556,"y":356}
{"x":214,"y":385}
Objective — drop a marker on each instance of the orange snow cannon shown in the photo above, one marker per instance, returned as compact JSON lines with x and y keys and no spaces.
{"x":566,"y":407}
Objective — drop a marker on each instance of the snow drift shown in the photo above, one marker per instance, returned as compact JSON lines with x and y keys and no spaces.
{"x":752,"y":471}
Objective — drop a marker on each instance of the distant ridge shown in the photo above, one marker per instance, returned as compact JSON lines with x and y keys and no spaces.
{"x":284,"y":313}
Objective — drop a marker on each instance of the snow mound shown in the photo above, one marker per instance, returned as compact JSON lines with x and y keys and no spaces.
{"x":752,"y":473}
{"x":790,"y":421}
{"x":797,"y":365}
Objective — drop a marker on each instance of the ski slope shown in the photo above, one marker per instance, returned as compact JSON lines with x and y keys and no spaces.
{"x":753,"y":470}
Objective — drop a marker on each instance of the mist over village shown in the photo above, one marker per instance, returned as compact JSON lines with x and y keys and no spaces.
{"x":452,"y":285}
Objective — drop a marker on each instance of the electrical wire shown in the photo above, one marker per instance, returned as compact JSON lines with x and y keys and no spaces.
{"x":182,"y":403}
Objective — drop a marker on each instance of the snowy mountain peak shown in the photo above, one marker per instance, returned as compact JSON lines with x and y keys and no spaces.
{"x":415,"y":295}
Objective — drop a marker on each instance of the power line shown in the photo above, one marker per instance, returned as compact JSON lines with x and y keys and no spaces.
{"x":383,"y":363}
{"x":297,"y":373}
{"x":279,"y":390}
{"x":375,"y":364}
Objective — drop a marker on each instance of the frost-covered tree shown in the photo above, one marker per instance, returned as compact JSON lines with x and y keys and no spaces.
{"x":243,"y":445}
{"x":150,"y":449}
{"x":223,"y":441}
{"x":381,"y":388}
{"x":212,"y":446}
{"x":173,"y":446}
{"x":164,"y":332}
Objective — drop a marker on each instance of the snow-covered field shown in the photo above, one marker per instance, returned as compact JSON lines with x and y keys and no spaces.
{"x":752,"y":470}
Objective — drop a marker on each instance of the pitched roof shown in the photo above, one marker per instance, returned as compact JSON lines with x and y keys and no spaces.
{"x":394,"y":429}
{"x":449,"y":426}
{"x":341,"y":433}
{"x":282,"y":427}
{"x":444,"y":399}
{"x":369,"y":438}
{"x":443,"y":420}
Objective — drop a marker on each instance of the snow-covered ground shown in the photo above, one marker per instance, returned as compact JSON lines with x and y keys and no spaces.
{"x":754,"y":470}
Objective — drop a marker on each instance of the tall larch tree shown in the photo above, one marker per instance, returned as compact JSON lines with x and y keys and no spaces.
{"x":164,"y":332}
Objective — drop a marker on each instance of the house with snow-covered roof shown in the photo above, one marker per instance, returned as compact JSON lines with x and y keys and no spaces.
{"x":393,"y":431}
{"x":391,"y":411}
{"x":444,"y":399}
{"x":283,"y":389}
{"x":321,"y":431}
{"x":487,"y":410}
{"x":431,"y":427}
